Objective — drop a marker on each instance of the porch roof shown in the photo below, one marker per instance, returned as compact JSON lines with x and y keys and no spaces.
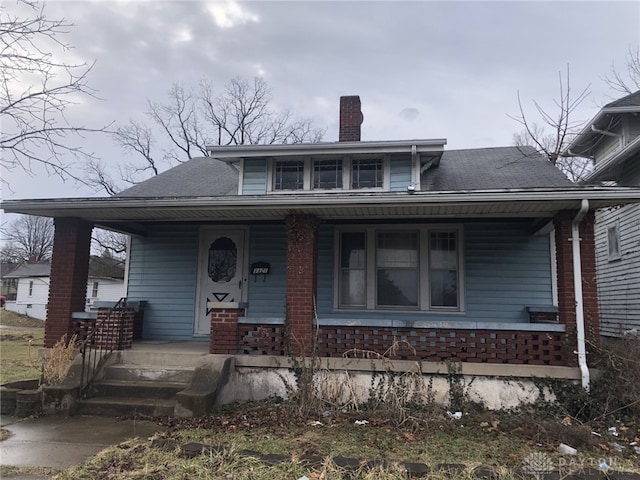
{"x":126,"y":213}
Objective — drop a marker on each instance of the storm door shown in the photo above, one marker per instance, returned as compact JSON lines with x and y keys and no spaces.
{"x":221,"y":272}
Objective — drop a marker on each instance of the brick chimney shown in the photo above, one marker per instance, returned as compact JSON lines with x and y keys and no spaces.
{"x":350,"y":119}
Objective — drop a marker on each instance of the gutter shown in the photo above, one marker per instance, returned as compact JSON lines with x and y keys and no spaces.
{"x":577,"y":288}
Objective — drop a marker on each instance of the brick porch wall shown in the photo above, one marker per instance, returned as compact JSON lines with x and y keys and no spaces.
{"x":224,"y":330}
{"x":69,"y":273}
{"x":477,"y":346}
{"x":116,"y":333}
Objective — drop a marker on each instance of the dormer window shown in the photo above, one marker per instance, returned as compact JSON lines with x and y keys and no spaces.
{"x":327,"y":174}
{"x":288,"y":175}
{"x":366,"y":173}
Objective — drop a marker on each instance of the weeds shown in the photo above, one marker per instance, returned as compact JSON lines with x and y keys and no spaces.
{"x":61,"y":356}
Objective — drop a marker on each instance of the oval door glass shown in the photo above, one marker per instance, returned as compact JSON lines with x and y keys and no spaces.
{"x":223,"y":260}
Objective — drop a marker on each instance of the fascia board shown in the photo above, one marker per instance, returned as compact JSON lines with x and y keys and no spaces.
{"x":67,"y":207}
{"x":248,"y":151}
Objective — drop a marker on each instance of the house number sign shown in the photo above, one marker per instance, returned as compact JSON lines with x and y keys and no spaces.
{"x":260,"y":268}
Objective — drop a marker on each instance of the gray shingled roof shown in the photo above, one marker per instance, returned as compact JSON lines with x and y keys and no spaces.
{"x":98,"y":267}
{"x":473,"y":169}
{"x":632,"y":100}
{"x":198,"y":177}
{"x":31,"y":270}
{"x":493,"y":168}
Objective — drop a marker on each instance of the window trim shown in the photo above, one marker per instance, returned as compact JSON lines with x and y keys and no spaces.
{"x":94,"y":289}
{"x":30,"y":293}
{"x":424,"y":300}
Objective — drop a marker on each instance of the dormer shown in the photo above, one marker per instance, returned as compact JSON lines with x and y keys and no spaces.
{"x":348,"y":165}
{"x":610,"y":139}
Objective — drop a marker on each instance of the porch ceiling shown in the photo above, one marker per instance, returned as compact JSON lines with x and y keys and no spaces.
{"x":504,"y":203}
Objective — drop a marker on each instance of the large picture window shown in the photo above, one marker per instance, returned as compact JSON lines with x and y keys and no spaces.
{"x":404,"y":269}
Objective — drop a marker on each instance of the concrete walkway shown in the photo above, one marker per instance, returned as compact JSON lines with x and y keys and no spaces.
{"x":60,"y":442}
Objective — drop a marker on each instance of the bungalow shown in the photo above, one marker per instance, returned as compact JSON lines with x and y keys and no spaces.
{"x":612,"y":140}
{"x":483,"y":256}
{"x":104,"y":283}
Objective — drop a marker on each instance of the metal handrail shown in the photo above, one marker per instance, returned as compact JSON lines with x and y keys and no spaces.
{"x":94,"y":356}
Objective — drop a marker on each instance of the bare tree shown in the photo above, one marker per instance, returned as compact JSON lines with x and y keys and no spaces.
{"x":110,"y":244}
{"x":28,"y":238}
{"x":191,"y":120}
{"x":551,"y":137}
{"x":627,"y":81}
{"x":36,"y":91}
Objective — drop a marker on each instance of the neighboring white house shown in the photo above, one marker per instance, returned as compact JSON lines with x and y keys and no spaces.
{"x":105,"y":283}
{"x":612,"y":140}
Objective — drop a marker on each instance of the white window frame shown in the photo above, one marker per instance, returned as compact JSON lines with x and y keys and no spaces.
{"x":30,"y":294}
{"x":94,"y":289}
{"x":423,"y":268}
{"x":308,"y":173}
{"x":614,"y":253}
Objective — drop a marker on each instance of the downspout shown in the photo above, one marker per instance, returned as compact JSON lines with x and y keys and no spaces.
{"x":577,"y":288}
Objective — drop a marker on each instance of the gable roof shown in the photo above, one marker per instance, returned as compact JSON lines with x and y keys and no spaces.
{"x":492,"y":169}
{"x":198,"y":177}
{"x":99,"y":267}
{"x":631,"y":100}
{"x":31,"y":270}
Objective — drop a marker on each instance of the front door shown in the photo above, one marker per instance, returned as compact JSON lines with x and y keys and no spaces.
{"x":221,"y":272}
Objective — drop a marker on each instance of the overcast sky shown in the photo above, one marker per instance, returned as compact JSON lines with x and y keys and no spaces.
{"x":422,"y":69}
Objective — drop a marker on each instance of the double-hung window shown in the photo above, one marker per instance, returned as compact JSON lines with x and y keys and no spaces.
{"x":613,"y":242}
{"x":402,"y":269}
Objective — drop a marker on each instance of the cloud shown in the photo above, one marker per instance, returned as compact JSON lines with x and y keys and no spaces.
{"x":410,"y":114}
{"x":231,"y":13}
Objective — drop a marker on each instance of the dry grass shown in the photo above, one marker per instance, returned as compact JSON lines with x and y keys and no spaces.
{"x":19,"y":359}
{"x":59,"y":360}
{"x":16,"y":320}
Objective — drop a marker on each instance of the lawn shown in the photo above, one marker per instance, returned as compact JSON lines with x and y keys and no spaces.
{"x":268,"y":440}
{"x":19,"y":348}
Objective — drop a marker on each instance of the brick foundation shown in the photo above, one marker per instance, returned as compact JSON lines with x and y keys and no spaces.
{"x":224,"y":330}
{"x":69,"y":273}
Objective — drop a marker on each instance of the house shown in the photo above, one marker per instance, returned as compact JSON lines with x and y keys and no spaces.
{"x":612,"y":140}
{"x":403,"y":248}
{"x":104,"y":283}
{"x":8,"y":285}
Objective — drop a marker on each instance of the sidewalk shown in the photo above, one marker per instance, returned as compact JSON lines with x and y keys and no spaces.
{"x":59,"y":442}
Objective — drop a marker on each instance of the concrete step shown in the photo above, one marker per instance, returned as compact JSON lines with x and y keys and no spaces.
{"x":116,"y":406}
{"x":154,"y":373}
{"x":138,"y":389}
{"x":141,"y":356}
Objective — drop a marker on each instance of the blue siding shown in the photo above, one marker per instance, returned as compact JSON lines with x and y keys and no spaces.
{"x":505,"y":269}
{"x":266,"y":298}
{"x":400,"y":177}
{"x":163,"y":271}
{"x":254,"y":181}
